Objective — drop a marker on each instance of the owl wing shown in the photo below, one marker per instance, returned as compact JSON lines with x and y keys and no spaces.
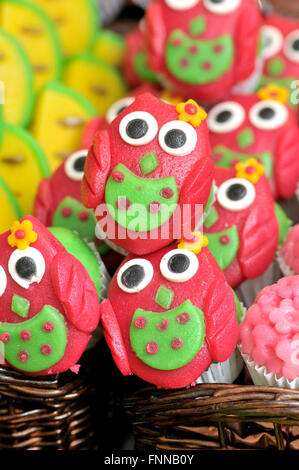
{"x":76,"y":292}
{"x":96,"y":171}
{"x":114,"y":337}
{"x":221,"y":320}
{"x":259,"y":241}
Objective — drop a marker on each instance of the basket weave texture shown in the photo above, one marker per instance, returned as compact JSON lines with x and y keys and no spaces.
{"x":215,"y":416}
{"x":45,"y":413}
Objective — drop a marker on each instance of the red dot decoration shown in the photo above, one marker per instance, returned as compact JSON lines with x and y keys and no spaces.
{"x":123,"y":204}
{"x":25,"y":335}
{"x":152,"y":347}
{"x":224,"y":239}
{"x":167,"y":193}
{"x":177,"y":343}
{"x":84,"y":215}
{"x":20,"y":234}
{"x":66,"y":212}
{"x":140,"y":323}
{"x":193,"y":49}
{"x":207,"y":65}
{"x":48,"y":327}
{"x":191,"y":109}
{"x":163,"y":325}
{"x":118,"y":176}
{"x":183,"y":318}
{"x":154,"y":207}
{"x":5,"y":337}
{"x":46,"y":349}
{"x":23,"y":355}
{"x":184,"y":62}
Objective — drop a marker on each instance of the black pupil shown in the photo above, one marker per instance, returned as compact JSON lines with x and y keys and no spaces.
{"x":267,"y":113}
{"x":133,"y":276}
{"x":137,"y":128}
{"x":224,"y":116}
{"x":178,"y":263}
{"x":79,"y":164}
{"x":217,"y":1}
{"x":296,"y":45}
{"x":236,"y":192}
{"x":175,"y":139}
{"x":26,"y":267}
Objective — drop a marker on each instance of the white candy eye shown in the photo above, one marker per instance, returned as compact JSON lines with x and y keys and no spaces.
{"x":236,"y":194}
{"x":26,"y":266}
{"x":74,"y":165}
{"x":135,"y":275}
{"x":138,"y":128}
{"x":118,"y":107}
{"x":177,"y":138}
{"x":179,"y":265}
{"x":291,"y":46}
{"x":268,"y":115}
{"x":226,"y":117}
{"x":272,"y":41}
{"x":221,"y":7}
{"x":3,"y":281}
{"x":181,"y":4}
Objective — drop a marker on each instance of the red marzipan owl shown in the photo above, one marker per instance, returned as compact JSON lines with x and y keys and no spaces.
{"x":242,"y":227}
{"x":257,"y":126}
{"x":153,"y":159}
{"x":49,"y":305}
{"x":170,"y":314}
{"x":203,"y":48}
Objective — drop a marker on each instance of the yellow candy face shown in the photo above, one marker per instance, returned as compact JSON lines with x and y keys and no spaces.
{"x":99,"y":82}
{"x":10,"y":210}
{"x":59,"y":120}
{"x":17,"y":77}
{"x":109,"y":47}
{"x":36,"y":32}
{"x":22,"y":165}
{"x":76,"y":22}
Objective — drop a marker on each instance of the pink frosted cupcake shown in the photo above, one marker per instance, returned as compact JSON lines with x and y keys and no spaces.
{"x":269,"y":335}
{"x":288,"y":255}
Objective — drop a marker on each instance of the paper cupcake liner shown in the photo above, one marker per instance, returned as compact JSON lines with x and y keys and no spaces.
{"x":261,"y":376}
{"x":284,"y":267}
{"x":249,"y":289}
{"x":223,"y":372}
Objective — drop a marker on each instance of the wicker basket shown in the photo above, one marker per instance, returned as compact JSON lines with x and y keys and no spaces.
{"x":215,"y":416}
{"x":60,"y":412}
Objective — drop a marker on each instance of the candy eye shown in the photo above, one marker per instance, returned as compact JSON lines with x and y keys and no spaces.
{"x":138,"y":128}
{"x":177,"y":138}
{"x":291,"y":47}
{"x":179,"y":265}
{"x":221,"y":6}
{"x":268,"y":115}
{"x":74,"y":165}
{"x":135,"y":275}
{"x":272,"y":41}
{"x":118,"y":107}
{"x":181,"y":4}
{"x":26,"y":266}
{"x":236,"y":194}
{"x":3,"y":281}
{"x":226,"y":117}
